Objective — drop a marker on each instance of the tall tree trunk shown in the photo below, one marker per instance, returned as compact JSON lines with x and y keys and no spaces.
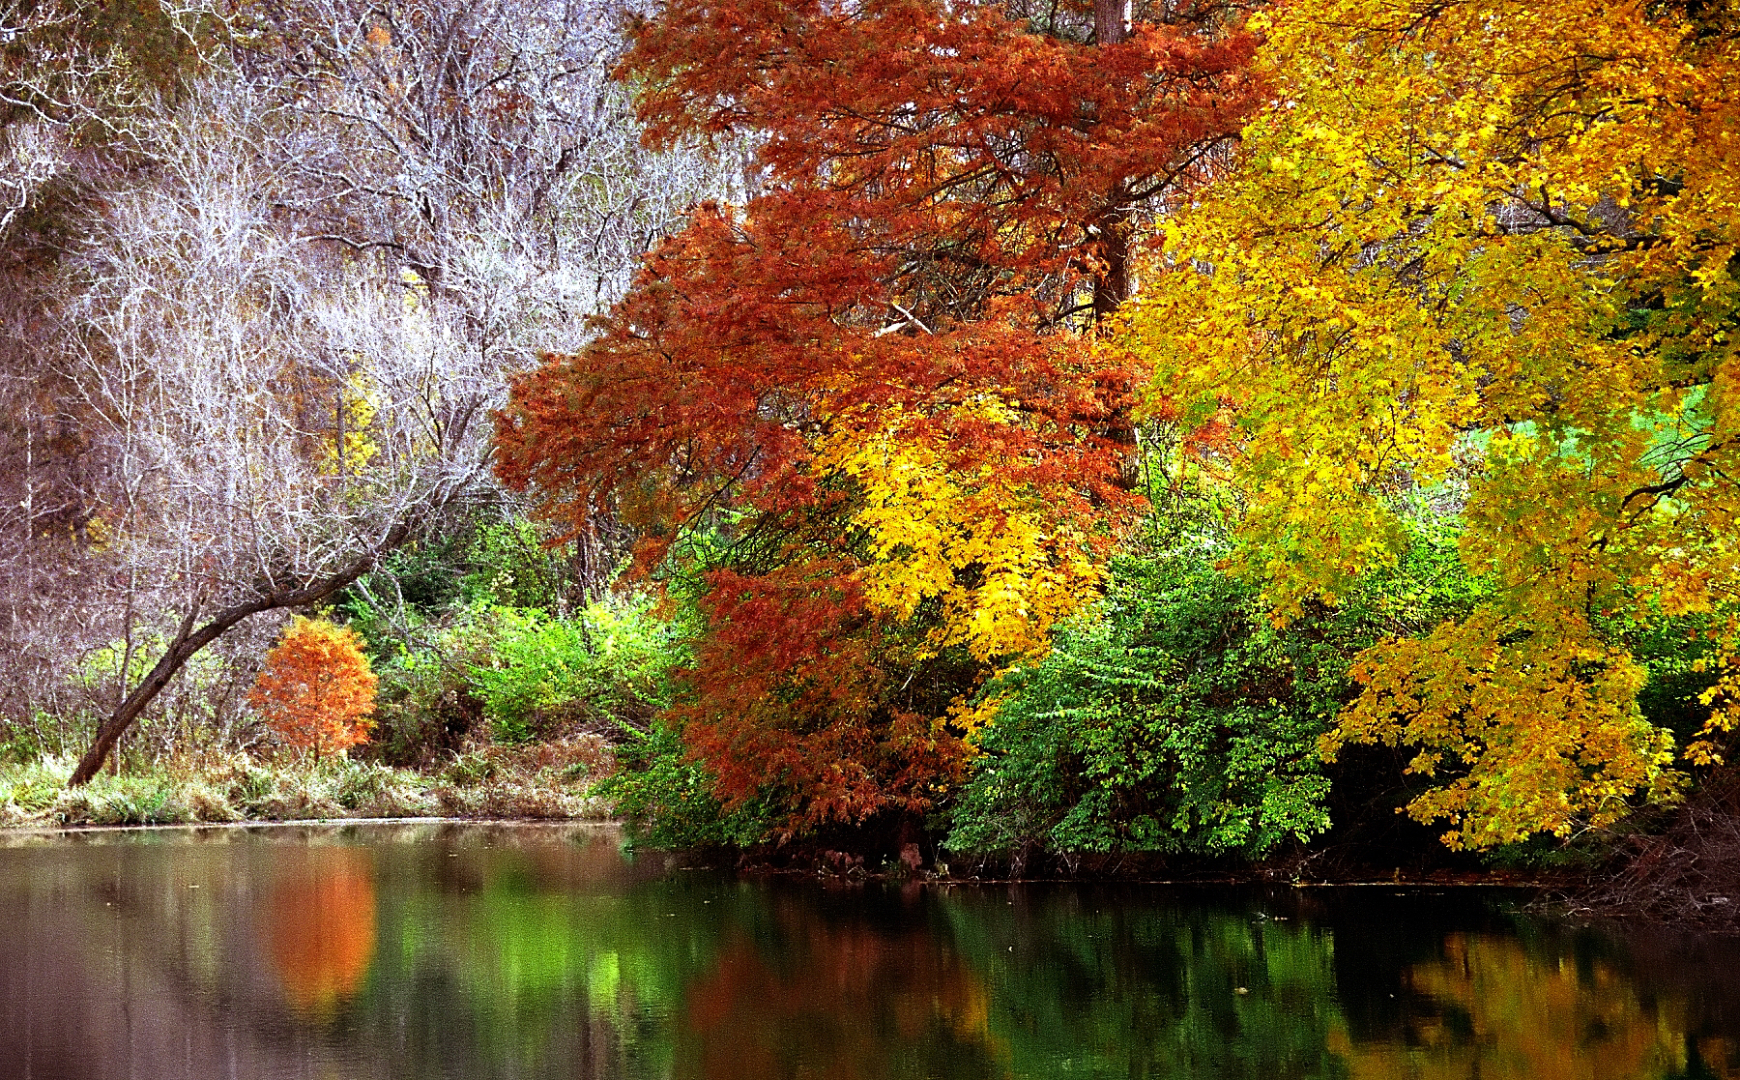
{"x":189,"y":641}
{"x":1112,"y":283}
{"x":1111,"y":21}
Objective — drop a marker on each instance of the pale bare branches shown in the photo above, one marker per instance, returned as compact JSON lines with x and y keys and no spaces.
{"x":273,"y":325}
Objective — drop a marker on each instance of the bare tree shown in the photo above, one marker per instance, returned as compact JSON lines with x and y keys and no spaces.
{"x":214,"y":359}
{"x":59,"y":83}
{"x":481,"y":144}
{"x":298,"y":296}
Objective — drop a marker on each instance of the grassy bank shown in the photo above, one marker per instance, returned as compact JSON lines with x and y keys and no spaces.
{"x":545,"y":780}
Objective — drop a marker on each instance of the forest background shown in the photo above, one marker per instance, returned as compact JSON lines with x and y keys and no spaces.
{"x":1080,"y":436}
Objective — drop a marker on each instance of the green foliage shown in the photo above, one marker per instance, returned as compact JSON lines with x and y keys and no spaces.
{"x":1676,"y":653}
{"x":29,"y":787}
{"x":486,"y":564}
{"x":19,"y":747}
{"x":669,"y":797}
{"x":476,"y":625}
{"x":610,"y":663}
{"x":508,"y":564}
{"x":426,"y":705}
{"x":1176,"y":716}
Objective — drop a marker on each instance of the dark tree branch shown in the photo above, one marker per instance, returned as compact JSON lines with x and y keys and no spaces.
{"x":188,"y":642}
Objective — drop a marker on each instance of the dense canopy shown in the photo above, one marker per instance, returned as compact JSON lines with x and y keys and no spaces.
{"x":1483,"y":254}
{"x":874,"y":387}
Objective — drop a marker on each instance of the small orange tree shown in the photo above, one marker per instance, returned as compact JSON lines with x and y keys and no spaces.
{"x":316,"y":689}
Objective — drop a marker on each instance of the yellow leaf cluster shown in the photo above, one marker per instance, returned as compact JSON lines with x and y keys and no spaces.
{"x":1540,"y":732}
{"x":354,"y":447}
{"x":1484,"y":251}
{"x":977,"y":546}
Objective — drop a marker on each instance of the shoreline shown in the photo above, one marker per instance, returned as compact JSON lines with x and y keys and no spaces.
{"x":1253,"y":877}
{"x":77,"y":829}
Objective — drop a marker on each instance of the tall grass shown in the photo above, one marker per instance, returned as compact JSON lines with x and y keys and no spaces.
{"x":547,"y":780}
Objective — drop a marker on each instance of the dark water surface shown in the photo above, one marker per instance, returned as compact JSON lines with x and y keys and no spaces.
{"x":535,"y":951}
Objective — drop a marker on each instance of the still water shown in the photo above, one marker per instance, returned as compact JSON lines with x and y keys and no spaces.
{"x":540,"y":951}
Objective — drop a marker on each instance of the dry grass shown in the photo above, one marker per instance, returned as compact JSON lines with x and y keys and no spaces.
{"x":543,"y":780}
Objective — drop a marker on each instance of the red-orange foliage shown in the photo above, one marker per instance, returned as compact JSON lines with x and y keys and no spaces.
{"x":319,"y":927}
{"x":868,"y":1000}
{"x":316,"y":689}
{"x":796,"y":702}
{"x":948,"y":204}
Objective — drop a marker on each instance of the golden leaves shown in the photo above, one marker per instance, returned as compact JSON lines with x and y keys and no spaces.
{"x":1481,"y":254}
{"x":976,"y":541}
{"x":1535,"y":727}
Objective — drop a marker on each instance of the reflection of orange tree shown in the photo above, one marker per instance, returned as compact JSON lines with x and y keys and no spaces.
{"x":848,"y":1002}
{"x":319,"y":928}
{"x":1501,"y":1012}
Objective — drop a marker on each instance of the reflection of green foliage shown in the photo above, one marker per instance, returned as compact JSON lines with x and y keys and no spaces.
{"x":520,"y":961}
{"x":1136,"y":990}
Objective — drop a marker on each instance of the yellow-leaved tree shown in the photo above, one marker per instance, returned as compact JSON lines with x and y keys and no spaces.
{"x":1485,"y":251}
{"x":987,"y":550}
{"x":316,"y":689}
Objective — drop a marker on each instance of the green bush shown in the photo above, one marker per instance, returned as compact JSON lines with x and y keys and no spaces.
{"x":478,"y":565}
{"x":1175,"y":716}
{"x":124,"y":800}
{"x":30,"y":786}
{"x":668,"y":799}
{"x":425,"y":703}
{"x":609,"y":664}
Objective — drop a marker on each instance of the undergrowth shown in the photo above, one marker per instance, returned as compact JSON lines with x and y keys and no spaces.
{"x":544,"y":780}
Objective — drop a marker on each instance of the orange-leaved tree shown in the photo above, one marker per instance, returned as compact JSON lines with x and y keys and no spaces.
{"x":316,"y":689}
{"x":867,"y":409}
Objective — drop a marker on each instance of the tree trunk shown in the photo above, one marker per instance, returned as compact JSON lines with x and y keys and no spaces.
{"x":1111,"y":21}
{"x":188,"y":641}
{"x":1112,"y":238}
{"x":1112,"y":283}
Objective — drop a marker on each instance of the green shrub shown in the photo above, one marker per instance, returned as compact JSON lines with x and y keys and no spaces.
{"x":123,"y":800}
{"x":668,"y":799}
{"x":1174,"y":716}
{"x":610,"y":663}
{"x":29,"y":787}
{"x":19,"y":748}
{"x":477,"y":565}
{"x":425,"y":703}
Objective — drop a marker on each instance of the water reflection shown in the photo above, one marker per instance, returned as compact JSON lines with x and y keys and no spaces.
{"x":533,"y":952}
{"x":318,"y":926}
{"x":842,"y":1000}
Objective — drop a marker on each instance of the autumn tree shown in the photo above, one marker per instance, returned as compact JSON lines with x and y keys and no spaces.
{"x":867,"y":409}
{"x":316,"y":689}
{"x":1482,"y":253}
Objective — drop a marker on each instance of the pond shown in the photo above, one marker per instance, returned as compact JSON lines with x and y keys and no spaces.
{"x":433,"y":951}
